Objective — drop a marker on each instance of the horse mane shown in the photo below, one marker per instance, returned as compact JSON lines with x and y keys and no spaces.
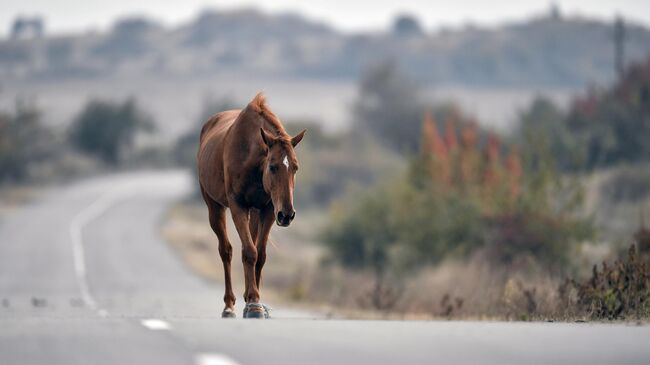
{"x":258,"y":105}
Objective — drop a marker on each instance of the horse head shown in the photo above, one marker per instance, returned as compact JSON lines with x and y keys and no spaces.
{"x":279,"y":174}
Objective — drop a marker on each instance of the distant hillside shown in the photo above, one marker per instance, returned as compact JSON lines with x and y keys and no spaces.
{"x":542,"y":51}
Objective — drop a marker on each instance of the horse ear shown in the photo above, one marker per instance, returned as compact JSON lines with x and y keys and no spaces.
{"x":267,"y":137}
{"x":295,"y":140}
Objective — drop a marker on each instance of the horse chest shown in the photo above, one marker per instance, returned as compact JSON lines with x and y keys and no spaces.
{"x":255,"y":196}
{"x":250,"y":192}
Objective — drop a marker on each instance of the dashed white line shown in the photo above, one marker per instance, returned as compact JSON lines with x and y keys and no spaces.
{"x":214,"y":359}
{"x":155,"y":324}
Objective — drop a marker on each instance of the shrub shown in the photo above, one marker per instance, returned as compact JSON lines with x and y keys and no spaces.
{"x":529,"y":235}
{"x":618,"y":291}
{"x":456,"y":199}
{"x":362,"y":235}
{"x":433,"y":226}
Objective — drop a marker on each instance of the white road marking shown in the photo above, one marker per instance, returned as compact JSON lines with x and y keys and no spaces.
{"x":91,"y":212}
{"x":214,"y":359}
{"x":155,"y":324}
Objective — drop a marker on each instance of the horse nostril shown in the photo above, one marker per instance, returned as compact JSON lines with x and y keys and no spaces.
{"x":280,"y":216}
{"x":293,"y":215}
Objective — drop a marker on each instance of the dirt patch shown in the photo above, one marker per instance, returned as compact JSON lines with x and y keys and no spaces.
{"x":16,"y":196}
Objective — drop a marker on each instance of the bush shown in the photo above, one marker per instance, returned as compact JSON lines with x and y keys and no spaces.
{"x":543,"y":119}
{"x":543,"y":238}
{"x":618,"y":291}
{"x":433,"y":226}
{"x":107,"y":130}
{"x":362,"y":235}
{"x":457,"y":199}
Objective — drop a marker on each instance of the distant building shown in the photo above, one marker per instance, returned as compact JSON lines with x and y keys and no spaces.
{"x":28,"y":28}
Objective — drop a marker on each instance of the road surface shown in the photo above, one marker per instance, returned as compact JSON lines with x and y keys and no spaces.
{"x":85,"y":279}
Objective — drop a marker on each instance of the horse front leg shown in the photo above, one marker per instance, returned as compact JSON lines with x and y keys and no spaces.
{"x":240,"y":217}
{"x":266,"y":219}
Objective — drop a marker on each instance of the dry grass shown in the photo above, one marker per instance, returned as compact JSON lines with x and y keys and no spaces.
{"x":452,"y":290}
{"x":15,"y":196}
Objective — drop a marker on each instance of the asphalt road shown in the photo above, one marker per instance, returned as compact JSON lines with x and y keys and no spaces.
{"x":85,"y":279}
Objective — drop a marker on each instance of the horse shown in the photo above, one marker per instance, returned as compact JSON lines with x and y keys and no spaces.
{"x":247,"y":163}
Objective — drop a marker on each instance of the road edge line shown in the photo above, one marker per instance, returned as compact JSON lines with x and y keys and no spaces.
{"x":85,"y":216}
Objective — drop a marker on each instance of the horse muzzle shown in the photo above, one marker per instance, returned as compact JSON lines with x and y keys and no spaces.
{"x":284,"y":219}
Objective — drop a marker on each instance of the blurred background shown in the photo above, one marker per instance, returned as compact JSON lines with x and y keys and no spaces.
{"x":460,"y":161}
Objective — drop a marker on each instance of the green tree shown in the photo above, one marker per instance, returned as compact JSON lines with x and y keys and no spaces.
{"x":612,"y":126}
{"x":24,"y":143}
{"x":389,"y":108}
{"x":544,"y":120}
{"x":107,"y":130}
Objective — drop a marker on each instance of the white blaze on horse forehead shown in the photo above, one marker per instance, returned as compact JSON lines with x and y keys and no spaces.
{"x":286,"y":162}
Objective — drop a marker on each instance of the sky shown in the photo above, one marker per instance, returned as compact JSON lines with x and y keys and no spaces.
{"x":65,"y":16}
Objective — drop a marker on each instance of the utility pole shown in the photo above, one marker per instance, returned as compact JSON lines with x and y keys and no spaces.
{"x":619,"y":45}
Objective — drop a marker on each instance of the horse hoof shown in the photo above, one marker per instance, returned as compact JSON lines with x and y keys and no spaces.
{"x":255,"y":314}
{"x":228,"y":313}
{"x":256,"y":310}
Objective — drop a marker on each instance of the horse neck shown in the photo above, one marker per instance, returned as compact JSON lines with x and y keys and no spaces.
{"x":250,"y":122}
{"x":245,"y":131}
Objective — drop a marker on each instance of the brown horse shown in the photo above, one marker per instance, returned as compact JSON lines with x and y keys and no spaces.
{"x":246,"y":162}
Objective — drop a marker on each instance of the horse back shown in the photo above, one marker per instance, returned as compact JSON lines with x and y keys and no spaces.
{"x":218,"y":125}
{"x":210,"y":154}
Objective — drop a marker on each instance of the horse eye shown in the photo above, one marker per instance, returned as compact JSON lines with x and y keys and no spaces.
{"x":273,"y":168}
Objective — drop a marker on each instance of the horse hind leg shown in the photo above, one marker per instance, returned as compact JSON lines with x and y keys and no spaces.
{"x":217,"y":214}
